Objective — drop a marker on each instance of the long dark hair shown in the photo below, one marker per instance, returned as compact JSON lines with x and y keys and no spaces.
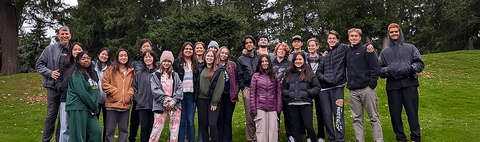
{"x":306,"y":73}
{"x":214,"y":64}
{"x":69,"y":59}
{"x":97,"y":60}
{"x":116,"y":63}
{"x":181,"y":57}
{"x":77,"y":68}
{"x":154,"y":59}
{"x":269,"y":71}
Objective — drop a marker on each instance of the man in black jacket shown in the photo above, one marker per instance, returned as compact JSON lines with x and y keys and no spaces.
{"x":399,"y":63}
{"x":363,"y":72}
{"x":245,"y":69}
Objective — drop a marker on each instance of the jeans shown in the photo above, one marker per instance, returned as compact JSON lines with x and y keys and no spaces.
{"x":64,"y":135}
{"x":187,"y":123}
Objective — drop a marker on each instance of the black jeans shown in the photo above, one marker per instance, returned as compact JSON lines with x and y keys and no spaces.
{"x":134,"y":123}
{"x":53,"y":105}
{"x":303,"y":113}
{"x":225,"y":118}
{"x":146,"y":121}
{"x":408,"y":98}
{"x":101,"y":108}
{"x":209,"y":118}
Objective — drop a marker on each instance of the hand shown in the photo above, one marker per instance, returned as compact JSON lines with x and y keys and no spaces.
{"x":370,"y":48}
{"x":325,"y":53}
{"x":166,"y":100}
{"x":213,"y":108}
{"x":55,"y":74}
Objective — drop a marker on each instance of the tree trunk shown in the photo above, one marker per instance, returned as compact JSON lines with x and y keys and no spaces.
{"x":470,"y":43}
{"x":385,"y":42}
{"x":9,"y":33}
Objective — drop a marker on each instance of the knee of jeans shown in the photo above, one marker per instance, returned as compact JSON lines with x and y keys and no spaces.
{"x":190,"y":121}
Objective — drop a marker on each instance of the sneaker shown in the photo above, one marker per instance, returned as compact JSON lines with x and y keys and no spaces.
{"x":308,"y":140}
{"x":321,"y":140}
{"x":290,"y":139}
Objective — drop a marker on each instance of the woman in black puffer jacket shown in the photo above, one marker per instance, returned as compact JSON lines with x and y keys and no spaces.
{"x":299,"y":88}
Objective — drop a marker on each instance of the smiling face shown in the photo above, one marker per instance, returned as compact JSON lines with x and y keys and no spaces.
{"x":249,"y":44}
{"x":188,"y":51}
{"x":85,"y":61}
{"x":394,"y":33}
{"x":281,"y":52}
{"x":297,"y":44}
{"x":354,"y":38}
{"x":199,"y":49}
{"x":148,"y":59}
{"x":76,"y":49}
{"x":146,"y":46}
{"x":299,"y":61}
{"x":103,"y":56}
{"x":64,"y":37}
{"x":123,"y":57}
{"x":263,"y":42}
{"x":332,"y":40}
{"x":312,"y":47}
{"x":224,"y":54}
{"x":264,"y":63}
{"x":166,"y":64}
{"x":209,"y":58}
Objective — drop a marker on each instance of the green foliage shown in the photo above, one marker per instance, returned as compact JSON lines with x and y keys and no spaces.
{"x":31,"y":46}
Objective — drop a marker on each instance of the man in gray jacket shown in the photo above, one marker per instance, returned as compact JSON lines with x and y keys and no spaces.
{"x":48,"y":64}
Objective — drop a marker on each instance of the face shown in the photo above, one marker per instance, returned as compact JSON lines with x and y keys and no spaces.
{"x":166,"y":64}
{"x":354,"y":38}
{"x":188,"y":51}
{"x":332,"y":40}
{"x":85,"y":61}
{"x":146,"y":46}
{"x":123,"y":57}
{"x":210,"y":57}
{"x":249,"y":44}
{"x":103,"y":56}
{"x":224,"y":54}
{"x":264,"y":63}
{"x":281,"y":52}
{"x":64,"y":37}
{"x":213,"y":48}
{"x":76,"y":49}
{"x":299,"y":61}
{"x":263,"y":42}
{"x":199,"y":49}
{"x":312,"y":47}
{"x":297,"y":44}
{"x":148,"y":59}
{"x":394,"y":33}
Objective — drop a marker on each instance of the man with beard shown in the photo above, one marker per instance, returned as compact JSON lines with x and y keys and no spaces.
{"x":245,"y":69}
{"x":263,"y":43}
{"x":399,"y":63}
{"x":48,"y":64}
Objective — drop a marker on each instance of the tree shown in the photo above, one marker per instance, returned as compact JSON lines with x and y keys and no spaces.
{"x":31,"y":46}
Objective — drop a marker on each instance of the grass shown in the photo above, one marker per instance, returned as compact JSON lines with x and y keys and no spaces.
{"x":449,"y":94}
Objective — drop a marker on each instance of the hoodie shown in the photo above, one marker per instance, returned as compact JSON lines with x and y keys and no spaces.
{"x":245,"y":68}
{"x":399,"y":63}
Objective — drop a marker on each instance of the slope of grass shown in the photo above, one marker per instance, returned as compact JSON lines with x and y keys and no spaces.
{"x":449,"y":94}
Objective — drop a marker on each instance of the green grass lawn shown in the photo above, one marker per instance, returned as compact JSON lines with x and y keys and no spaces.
{"x":448,"y":112}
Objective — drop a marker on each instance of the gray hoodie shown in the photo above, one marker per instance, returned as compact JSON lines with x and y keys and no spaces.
{"x":49,"y":61}
{"x":159,"y":95}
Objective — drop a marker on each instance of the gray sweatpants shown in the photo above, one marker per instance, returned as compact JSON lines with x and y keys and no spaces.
{"x":365,"y":97}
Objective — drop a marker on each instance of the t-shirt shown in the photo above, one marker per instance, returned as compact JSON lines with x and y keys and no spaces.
{"x":188,"y":78}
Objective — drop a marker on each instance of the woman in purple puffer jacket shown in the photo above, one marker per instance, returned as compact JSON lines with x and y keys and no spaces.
{"x":265,"y":100}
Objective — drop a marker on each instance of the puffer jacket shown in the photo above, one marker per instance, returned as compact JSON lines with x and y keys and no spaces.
{"x":331,"y":71}
{"x":49,"y":61}
{"x":295,"y":90}
{"x":118,"y":88}
{"x":265,"y":94}
{"x":159,"y":95}
{"x":399,"y":63}
{"x":245,"y":68}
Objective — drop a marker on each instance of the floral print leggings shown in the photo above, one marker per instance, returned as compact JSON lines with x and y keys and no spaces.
{"x":159,"y":123}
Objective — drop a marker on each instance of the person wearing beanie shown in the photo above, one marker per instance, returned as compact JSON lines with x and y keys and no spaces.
{"x":213,"y":45}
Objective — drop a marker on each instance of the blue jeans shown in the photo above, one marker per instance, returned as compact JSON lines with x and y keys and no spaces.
{"x":187,"y":123}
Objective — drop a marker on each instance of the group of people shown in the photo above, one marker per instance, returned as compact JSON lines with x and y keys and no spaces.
{"x":150,"y":88}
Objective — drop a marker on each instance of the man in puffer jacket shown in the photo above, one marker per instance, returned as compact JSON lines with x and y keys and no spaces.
{"x":399,"y":63}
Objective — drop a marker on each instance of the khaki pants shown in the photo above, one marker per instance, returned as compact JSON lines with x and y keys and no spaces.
{"x":250,"y":128}
{"x":267,"y":126}
{"x":365,"y":97}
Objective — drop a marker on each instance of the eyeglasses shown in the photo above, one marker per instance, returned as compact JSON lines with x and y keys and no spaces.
{"x":86,"y":58}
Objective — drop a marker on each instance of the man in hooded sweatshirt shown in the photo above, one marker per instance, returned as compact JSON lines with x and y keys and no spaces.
{"x":399,"y":64}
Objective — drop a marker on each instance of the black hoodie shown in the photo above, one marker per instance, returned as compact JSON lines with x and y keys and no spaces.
{"x":399,"y":63}
{"x":363,"y":69}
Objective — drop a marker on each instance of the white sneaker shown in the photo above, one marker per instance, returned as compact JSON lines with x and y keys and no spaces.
{"x":321,"y":140}
{"x":308,"y":140}
{"x":290,"y":139}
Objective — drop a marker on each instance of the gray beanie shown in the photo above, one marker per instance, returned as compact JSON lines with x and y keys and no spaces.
{"x":213,"y":43}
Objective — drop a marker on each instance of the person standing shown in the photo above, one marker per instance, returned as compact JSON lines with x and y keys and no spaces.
{"x":363,"y":72}
{"x":199,"y":49}
{"x":167,"y":89}
{"x":265,"y":100}
{"x":48,"y":64}
{"x":211,"y":87}
{"x":101,"y":63}
{"x":245,"y":70}
{"x":263,"y":43}
{"x":82,"y":101}
{"x":186,"y":67}
{"x":399,"y":64}
{"x":299,"y":89}
{"x":297,"y":46}
{"x":213,"y":45}
{"x":61,"y":86}
{"x":229,"y":96}
{"x":117,"y":84}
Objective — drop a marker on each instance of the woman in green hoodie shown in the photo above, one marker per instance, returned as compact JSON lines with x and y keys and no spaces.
{"x":82,"y":101}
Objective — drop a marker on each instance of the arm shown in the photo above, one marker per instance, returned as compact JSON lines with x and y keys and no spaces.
{"x":320,"y":70}
{"x":240,"y":73}
{"x":77,"y":83}
{"x":383,"y":66}
{"x":41,"y":63}
{"x":285,"y":87}
{"x":106,"y":82}
{"x":135,"y":84}
{"x":156,"y":86}
{"x":253,"y":92}
{"x":374,"y":69}
{"x":417,"y":62}
{"x":217,"y":93}
{"x":59,"y":85}
{"x":314,"y":87}
{"x":130,"y":91}
{"x":178,"y":94}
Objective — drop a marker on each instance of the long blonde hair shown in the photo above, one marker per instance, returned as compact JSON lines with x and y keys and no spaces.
{"x":227,"y":62}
